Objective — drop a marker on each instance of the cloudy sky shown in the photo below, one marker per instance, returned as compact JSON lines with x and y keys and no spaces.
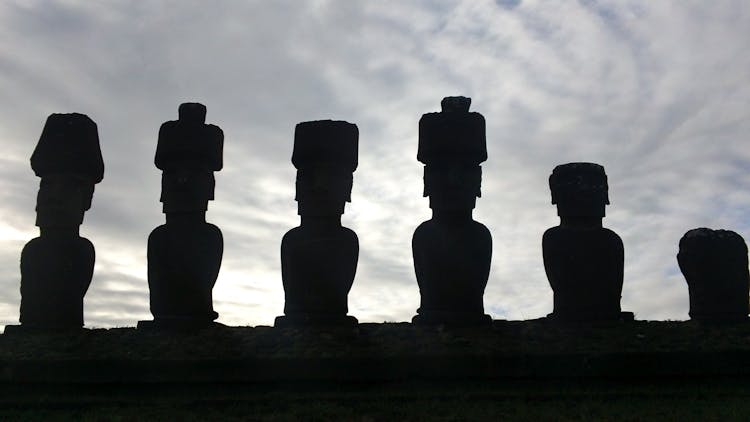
{"x":658,"y":92}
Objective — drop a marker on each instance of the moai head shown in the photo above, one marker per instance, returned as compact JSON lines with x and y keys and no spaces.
{"x":452,"y":145}
{"x":325,"y":155}
{"x":188,"y":152}
{"x":69,"y":161}
{"x":715,"y":266}
{"x":579,"y":190}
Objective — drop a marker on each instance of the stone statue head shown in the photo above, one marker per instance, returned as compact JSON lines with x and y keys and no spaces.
{"x":69,"y":161}
{"x":579,"y":190}
{"x":325,"y":155}
{"x":62,"y":200}
{"x":452,"y":145}
{"x":188,"y":152}
{"x":453,"y":186}
{"x":707,"y":255}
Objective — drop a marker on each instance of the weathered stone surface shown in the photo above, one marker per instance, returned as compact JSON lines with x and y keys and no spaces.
{"x":56,"y":272}
{"x":452,"y":252}
{"x":184,"y":255}
{"x":318,"y":264}
{"x":715,"y":266}
{"x":319,"y":258}
{"x":57,"y":266}
{"x":585,"y":270}
{"x":583,"y":261}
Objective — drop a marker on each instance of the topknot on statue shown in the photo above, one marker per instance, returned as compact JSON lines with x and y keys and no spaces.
{"x":327,"y":143}
{"x":189,"y":143}
{"x":453,"y":134}
{"x":69,"y":145}
{"x":702,"y":242}
{"x":192,"y":113}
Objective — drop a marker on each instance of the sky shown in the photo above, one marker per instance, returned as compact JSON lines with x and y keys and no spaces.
{"x":658,"y":92}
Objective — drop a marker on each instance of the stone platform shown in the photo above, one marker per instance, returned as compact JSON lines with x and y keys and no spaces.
{"x":399,"y":352}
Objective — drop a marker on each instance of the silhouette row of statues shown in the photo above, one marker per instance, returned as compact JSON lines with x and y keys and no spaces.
{"x":452,"y":252}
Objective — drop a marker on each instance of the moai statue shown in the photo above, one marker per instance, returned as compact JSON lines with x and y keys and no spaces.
{"x":57,"y":266}
{"x":582,"y":259}
{"x":319,"y":258}
{"x":184,"y":255}
{"x":714,"y":263}
{"x":452,"y":252}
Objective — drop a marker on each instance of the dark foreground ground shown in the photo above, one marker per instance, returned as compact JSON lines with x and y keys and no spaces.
{"x":518,"y":370}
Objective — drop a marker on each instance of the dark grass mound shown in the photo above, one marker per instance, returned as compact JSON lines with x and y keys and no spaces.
{"x":535,"y":337}
{"x":529,"y":369}
{"x":484,"y":349}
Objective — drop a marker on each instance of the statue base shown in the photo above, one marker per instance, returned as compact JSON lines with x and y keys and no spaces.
{"x":178,"y":324}
{"x":315,"y":320}
{"x":454,"y":319}
{"x":719,"y":318}
{"x":584,"y":318}
{"x":38,"y":329}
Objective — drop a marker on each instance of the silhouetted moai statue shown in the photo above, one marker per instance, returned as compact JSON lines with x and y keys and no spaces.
{"x":184,"y":255}
{"x":714,"y":263}
{"x":57,"y":266}
{"x":452,"y":252}
{"x":319,"y":258}
{"x":582,"y":259}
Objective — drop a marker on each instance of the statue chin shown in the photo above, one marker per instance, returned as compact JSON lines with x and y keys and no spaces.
{"x":452,"y":203}
{"x":320,"y":208}
{"x":584,"y":209}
